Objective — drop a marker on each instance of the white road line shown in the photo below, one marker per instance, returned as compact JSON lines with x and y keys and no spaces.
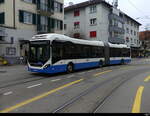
{"x":56,"y":80}
{"x":70,"y":76}
{"x":8,"y":93}
{"x":34,"y":86}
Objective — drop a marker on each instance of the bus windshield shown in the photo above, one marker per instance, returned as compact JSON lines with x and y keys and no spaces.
{"x":39,"y":53}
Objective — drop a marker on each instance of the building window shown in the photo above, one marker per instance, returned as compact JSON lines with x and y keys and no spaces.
{"x":76,"y":25}
{"x":93,"y":34}
{"x":77,"y":35}
{"x":93,"y":21}
{"x":127,"y":30}
{"x":58,"y":24}
{"x":1,"y":38}
{"x":28,"y":17}
{"x":10,"y":51}
{"x":128,"y":22}
{"x":131,"y":40}
{"x":93,"y":9}
{"x":131,"y":24}
{"x":65,"y":26}
{"x":44,"y":23}
{"x":135,"y":33}
{"x":131,"y":32}
{"x":58,"y":7}
{"x":127,"y":40}
{"x":76,"y":13}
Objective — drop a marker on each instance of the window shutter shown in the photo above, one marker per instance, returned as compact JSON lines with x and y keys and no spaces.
{"x":2,"y":18}
{"x":34,"y":19}
{"x":34,"y":1}
{"x":1,"y":1}
{"x":38,"y":22}
{"x":61,"y":25}
{"x":38,"y":4}
{"x":21,"y":16}
{"x":52,"y":4}
{"x":52,"y":23}
{"x":61,"y":7}
{"x":49,"y":24}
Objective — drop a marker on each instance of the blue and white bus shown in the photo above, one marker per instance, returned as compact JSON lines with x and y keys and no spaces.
{"x":54,"y":53}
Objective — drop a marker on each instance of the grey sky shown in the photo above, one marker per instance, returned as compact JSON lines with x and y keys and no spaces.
{"x":134,"y":8}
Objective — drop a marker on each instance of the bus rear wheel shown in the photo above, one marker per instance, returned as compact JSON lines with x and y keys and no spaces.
{"x":122,"y":62}
{"x":70,"y":68}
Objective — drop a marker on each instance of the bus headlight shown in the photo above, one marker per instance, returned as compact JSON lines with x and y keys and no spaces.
{"x":46,"y":66}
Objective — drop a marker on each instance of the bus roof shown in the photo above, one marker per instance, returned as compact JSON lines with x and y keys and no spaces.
{"x":64,"y":38}
{"x":118,"y":45}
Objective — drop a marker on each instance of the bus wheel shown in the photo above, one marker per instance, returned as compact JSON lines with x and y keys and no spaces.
{"x":70,"y":68}
{"x":122,"y":62}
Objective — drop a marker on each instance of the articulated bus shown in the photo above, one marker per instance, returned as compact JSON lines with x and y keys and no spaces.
{"x":54,"y":53}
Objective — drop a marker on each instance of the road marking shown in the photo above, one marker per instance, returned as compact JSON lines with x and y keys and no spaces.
{"x":137,"y":103}
{"x":147,"y":79}
{"x":98,"y":74}
{"x":56,"y":80}
{"x":39,"y":97}
{"x":8,"y":93}
{"x":70,"y":76}
{"x":34,"y":86}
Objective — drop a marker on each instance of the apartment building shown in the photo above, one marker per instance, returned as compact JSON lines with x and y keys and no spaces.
{"x":98,"y":20}
{"x":21,"y":19}
{"x":88,"y":20}
{"x":132,"y":35}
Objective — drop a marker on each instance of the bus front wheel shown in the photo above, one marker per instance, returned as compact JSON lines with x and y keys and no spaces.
{"x":70,"y":68}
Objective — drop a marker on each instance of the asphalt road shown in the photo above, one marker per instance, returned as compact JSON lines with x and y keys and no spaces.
{"x":113,"y":89}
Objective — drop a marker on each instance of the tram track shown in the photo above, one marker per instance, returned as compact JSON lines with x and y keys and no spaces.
{"x":37,"y":77}
{"x":19,"y":82}
{"x":102,"y":101}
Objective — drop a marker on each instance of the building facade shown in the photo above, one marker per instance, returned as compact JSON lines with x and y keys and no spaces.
{"x":21,"y":19}
{"x":87,"y":20}
{"x":145,"y":38}
{"x":98,"y":20}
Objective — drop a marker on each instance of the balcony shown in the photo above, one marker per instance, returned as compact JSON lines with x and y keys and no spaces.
{"x":116,"y":17}
{"x":116,"y":29}
{"x":44,"y":9}
{"x":116,"y":40}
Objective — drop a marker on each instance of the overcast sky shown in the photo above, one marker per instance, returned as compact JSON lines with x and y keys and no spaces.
{"x":134,"y":8}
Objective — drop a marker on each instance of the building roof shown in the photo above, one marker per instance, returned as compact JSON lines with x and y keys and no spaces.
{"x":132,"y":19}
{"x":87,"y":3}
